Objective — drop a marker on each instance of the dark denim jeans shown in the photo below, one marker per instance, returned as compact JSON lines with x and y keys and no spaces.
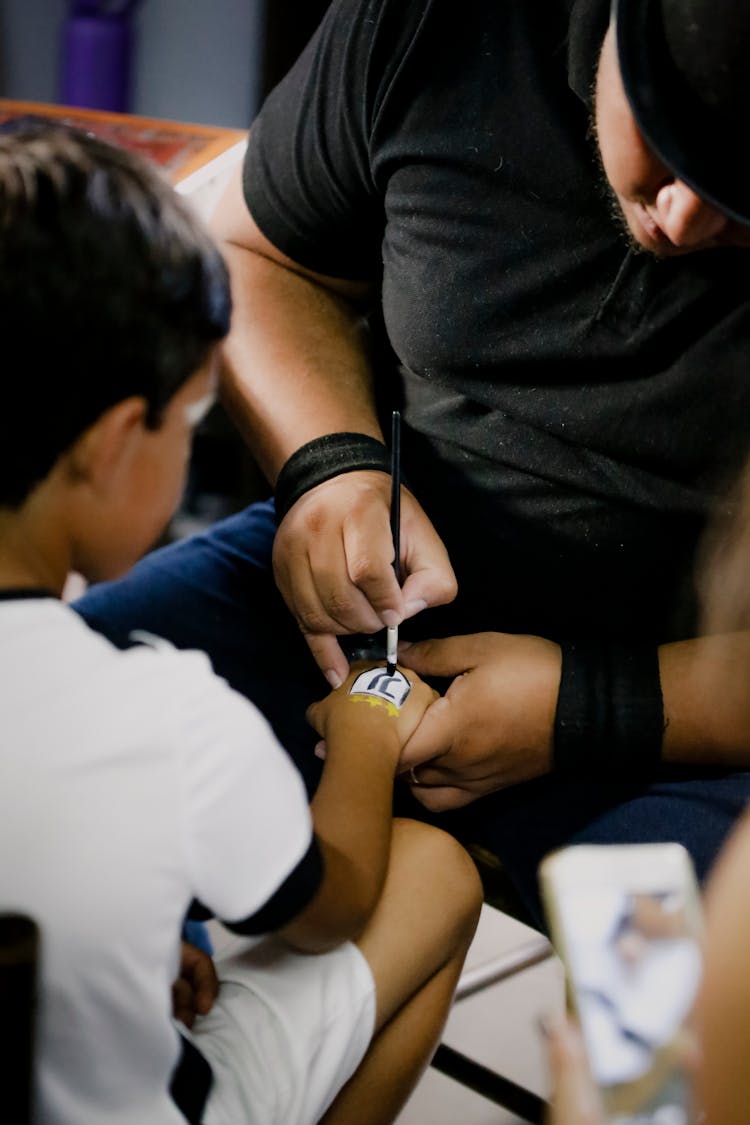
{"x":215,"y":592}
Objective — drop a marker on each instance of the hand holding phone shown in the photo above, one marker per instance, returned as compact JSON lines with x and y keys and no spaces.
{"x":626,"y":921}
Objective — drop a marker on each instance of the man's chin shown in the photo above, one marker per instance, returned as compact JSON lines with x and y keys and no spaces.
{"x":645,"y":240}
{"x":644,"y":234}
{"x":659,"y":246}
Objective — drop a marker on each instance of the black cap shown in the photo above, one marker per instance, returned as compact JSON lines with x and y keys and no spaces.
{"x":685,"y":68}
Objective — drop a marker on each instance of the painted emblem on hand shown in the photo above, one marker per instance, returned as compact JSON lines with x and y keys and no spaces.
{"x":378,"y":686}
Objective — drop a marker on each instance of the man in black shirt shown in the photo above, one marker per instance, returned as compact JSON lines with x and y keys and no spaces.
{"x":423,"y":222}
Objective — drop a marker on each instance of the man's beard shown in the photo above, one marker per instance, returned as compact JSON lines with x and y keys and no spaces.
{"x":607,"y":193}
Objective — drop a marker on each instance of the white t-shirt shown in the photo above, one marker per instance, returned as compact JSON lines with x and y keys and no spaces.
{"x":130,"y":784}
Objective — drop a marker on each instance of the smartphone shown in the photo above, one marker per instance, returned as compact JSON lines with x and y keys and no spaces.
{"x":626,"y":922}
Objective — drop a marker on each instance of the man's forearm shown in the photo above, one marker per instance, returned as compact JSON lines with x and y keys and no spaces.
{"x":624,"y":708}
{"x":705,"y":686}
{"x":295,"y":362}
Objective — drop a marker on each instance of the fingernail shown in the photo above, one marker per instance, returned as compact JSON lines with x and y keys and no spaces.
{"x":404,"y":646}
{"x":320,"y":750}
{"x":412,"y":608}
{"x":334,"y":679}
{"x":389,"y":617}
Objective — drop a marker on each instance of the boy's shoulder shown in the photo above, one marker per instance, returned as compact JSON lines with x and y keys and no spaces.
{"x":43,"y":635}
{"x":54,"y":663}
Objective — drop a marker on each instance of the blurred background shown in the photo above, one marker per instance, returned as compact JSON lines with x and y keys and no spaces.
{"x":206,"y":61}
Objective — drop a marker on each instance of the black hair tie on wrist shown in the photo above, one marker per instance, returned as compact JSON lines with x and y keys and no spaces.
{"x":323,"y":458}
{"x":610,"y":713}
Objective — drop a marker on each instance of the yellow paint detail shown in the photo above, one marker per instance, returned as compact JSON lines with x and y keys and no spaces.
{"x":375,"y":701}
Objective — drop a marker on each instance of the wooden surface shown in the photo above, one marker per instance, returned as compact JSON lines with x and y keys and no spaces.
{"x":180,"y":149}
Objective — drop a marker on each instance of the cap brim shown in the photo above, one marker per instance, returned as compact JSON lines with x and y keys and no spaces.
{"x":697,"y":144}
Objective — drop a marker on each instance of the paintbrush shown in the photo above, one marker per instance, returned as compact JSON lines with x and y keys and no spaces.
{"x":392,"y":630}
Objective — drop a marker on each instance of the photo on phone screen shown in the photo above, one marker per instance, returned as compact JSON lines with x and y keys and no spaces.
{"x":626,"y":922}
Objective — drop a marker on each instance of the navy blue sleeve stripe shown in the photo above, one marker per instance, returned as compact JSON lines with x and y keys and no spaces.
{"x":191,"y":1082}
{"x":197,"y":912}
{"x":289,"y":900}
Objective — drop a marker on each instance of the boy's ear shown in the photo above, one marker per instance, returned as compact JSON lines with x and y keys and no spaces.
{"x":106,"y":448}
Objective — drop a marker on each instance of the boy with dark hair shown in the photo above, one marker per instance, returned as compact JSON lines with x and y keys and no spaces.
{"x":134,"y":783}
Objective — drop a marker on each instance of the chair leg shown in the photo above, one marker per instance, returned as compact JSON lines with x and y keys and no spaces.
{"x":492,"y":1086}
{"x":501,"y":894}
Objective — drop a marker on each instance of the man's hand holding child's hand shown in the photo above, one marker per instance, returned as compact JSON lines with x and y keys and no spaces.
{"x":376,"y":701}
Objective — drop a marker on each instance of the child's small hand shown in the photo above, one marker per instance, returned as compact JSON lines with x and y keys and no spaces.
{"x":197,"y":986}
{"x":370,"y":698}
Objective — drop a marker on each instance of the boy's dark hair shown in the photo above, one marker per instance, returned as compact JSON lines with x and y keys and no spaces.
{"x":109,"y":287}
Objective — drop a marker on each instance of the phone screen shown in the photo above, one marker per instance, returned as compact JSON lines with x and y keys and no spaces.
{"x":634,"y":962}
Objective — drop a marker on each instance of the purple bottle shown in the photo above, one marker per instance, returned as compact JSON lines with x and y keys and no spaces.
{"x":97,"y":53}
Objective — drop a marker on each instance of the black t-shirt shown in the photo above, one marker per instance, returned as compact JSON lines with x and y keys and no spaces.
{"x":572,"y":408}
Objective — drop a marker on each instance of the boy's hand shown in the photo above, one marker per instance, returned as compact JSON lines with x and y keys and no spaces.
{"x":196,"y":988}
{"x":370,"y":699}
